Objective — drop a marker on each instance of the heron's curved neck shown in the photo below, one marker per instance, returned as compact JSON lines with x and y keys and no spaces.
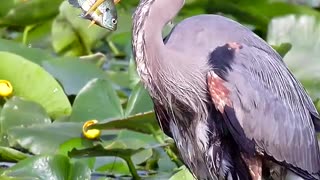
{"x":149,"y":19}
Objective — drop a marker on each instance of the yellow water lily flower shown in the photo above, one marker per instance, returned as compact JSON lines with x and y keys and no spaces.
{"x":91,"y":133}
{"x":5,"y":88}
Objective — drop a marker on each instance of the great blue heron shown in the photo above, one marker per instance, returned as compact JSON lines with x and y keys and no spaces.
{"x":224,"y":95}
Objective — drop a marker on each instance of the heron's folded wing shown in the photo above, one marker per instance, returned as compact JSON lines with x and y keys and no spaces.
{"x":264,"y":107}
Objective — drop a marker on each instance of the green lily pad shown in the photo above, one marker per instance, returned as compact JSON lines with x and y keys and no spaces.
{"x":139,"y":101}
{"x":133,"y":140}
{"x":120,"y":78}
{"x":11,"y":155}
{"x":165,"y":164}
{"x":67,"y":146}
{"x":53,"y":167}
{"x":33,"y":54}
{"x":18,"y":112}
{"x":37,"y":36}
{"x":129,"y":144}
{"x":5,"y":7}
{"x":98,"y":59}
{"x":183,"y":173}
{"x":257,"y":13}
{"x":99,"y":150}
{"x":142,"y":156}
{"x":96,"y":100}
{"x":45,"y":138}
{"x":142,"y":122}
{"x":34,"y":83}
{"x":73,"y":73}
{"x":30,"y":12}
{"x":114,"y":165}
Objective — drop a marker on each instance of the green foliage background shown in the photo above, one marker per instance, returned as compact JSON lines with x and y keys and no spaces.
{"x":64,"y":73}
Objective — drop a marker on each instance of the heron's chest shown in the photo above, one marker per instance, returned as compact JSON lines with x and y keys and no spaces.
{"x":192,"y":150}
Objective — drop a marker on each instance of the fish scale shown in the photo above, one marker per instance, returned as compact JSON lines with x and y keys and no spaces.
{"x":100,"y":12}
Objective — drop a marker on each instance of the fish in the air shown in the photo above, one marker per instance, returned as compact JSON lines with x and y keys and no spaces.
{"x":100,"y":12}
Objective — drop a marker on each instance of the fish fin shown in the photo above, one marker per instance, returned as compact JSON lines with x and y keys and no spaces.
{"x":85,"y":16}
{"x":74,"y":3}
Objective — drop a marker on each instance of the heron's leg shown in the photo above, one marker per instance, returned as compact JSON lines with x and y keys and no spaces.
{"x":255,"y":166}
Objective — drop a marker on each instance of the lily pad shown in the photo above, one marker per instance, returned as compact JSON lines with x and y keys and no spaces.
{"x":183,"y":173}
{"x":114,"y":165}
{"x":139,"y":101}
{"x":99,"y":150}
{"x":46,"y":138}
{"x":32,"y":82}
{"x":30,"y":12}
{"x":5,"y":7}
{"x":33,"y":54}
{"x":96,"y":100}
{"x":11,"y":155}
{"x":73,"y":73}
{"x":67,"y":146}
{"x":53,"y":167}
{"x":142,"y":122}
{"x":17,"y":112}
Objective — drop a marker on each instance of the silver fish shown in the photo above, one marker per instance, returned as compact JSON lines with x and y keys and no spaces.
{"x":100,"y":12}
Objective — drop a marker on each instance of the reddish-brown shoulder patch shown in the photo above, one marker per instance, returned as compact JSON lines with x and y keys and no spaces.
{"x":219,"y":93}
{"x":234,"y":45}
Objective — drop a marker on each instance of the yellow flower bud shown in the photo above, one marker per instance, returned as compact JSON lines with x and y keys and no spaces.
{"x":5,"y":88}
{"x":91,"y":133}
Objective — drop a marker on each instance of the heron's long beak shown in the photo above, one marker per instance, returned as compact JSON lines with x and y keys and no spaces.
{"x":97,"y":4}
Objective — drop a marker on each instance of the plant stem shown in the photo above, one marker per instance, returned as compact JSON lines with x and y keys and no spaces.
{"x":168,"y":150}
{"x":26,"y":33}
{"x":113,"y":48}
{"x":132,"y":168}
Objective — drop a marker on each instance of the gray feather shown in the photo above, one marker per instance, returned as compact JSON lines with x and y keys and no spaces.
{"x":269,"y":104}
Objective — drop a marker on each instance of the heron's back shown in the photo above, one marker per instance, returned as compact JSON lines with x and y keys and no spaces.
{"x":198,"y":36}
{"x":201,"y":34}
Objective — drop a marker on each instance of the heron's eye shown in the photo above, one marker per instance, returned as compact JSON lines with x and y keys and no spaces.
{"x":114,"y":21}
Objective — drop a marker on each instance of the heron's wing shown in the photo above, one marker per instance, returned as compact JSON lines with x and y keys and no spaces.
{"x":264,"y":107}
